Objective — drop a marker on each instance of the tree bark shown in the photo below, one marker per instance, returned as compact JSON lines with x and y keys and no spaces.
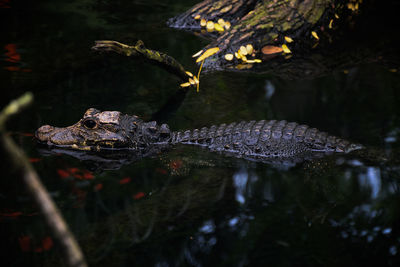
{"x":262,"y":24}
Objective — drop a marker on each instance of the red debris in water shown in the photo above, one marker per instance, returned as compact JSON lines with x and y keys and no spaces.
{"x":12,"y":214}
{"x":12,"y":68}
{"x":162,"y":171}
{"x":87,"y":175}
{"x":47,"y":243}
{"x":125,"y":180}
{"x":33,"y":160}
{"x":26,"y":134}
{"x":38,"y":250}
{"x":176,"y":164}
{"x":25,"y":243}
{"x":98,"y":187}
{"x":12,"y":54}
{"x":75,"y":172}
{"x":63,"y":174}
{"x":139,"y":195}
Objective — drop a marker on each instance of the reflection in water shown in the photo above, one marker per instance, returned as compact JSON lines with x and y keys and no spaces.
{"x":371,"y":181}
{"x":269,"y":89}
{"x":240,"y":182}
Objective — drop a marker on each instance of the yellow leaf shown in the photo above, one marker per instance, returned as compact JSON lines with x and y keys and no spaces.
{"x":336,"y":16}
{"x":191,"y":81}
{"x":210,"y":25}
{"x":198,"y":53}
{"x":185,"y":84}
{"x":242,"y":50}
{"x":221,"y":22}
{"x":288,"y":39}
{"x":286,"y":49}
{"x":203,"y":22}
{"x":249,"y":49}
{"x":315,"y":35}
{"x":330,"y":24}
{"x":229,"y":57}
{"x":218,"y":27}
{"x":208,"y":53}
{"x":195,"y":80}
{"x":189,"y":73}
{"x":197,"y":17}
{"x":256,"y":60}
{"x":227,"y":25}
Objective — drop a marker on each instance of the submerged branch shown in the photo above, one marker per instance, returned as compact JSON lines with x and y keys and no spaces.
{"x":36,"y":189}
{"x":139,"y":50}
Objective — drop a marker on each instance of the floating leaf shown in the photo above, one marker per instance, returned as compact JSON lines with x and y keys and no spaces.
{"x":315,"y":35}
{"x":249,"y":49}
{"x":125,"y":180}
{"x":330,"y":24}
{"x":208,"y":53}
{"x":229,"y":57}
{"x":197,"y":17}
{"x":288,"y":39}
{"x":221,"y":22}
{"x":286,"y":49}
{"x":98,"y":187}
{"x":203,"y":22}
{"x":185,"y":84}
{"x":47,"y":243}
{"x":198,"y":53}
{"x":269,"y":49}
{"x":256,"y":60}
{"x":237,"y":55}
{"x":210,"y":25}
{"x":139,"y":195}
{"x":218,"y":27}
{"x":242,"y":50}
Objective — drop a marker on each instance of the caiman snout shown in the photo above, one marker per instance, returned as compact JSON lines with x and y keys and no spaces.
{"x":55,"y":136}
{"x":44,"y":132}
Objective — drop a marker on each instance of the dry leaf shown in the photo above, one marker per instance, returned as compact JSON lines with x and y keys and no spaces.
{"x":288,"y":39}
{"x":269,"y":49}
{"x":286,"y":49}
{"x":315,"y":35}
{"x":208,"y":53}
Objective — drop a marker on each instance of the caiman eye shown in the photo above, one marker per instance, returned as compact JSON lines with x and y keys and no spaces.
{"x":89,"y":123}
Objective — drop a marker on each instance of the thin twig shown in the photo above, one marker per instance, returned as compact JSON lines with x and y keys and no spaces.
{"x":52,"y":215}
{"x":165,"y":61}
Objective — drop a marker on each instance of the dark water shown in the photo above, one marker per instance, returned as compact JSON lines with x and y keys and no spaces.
{"x":190,"y":207}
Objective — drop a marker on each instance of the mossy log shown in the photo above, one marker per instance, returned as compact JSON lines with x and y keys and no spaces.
{"x":139,"y":50}
{"x":286,"y":26}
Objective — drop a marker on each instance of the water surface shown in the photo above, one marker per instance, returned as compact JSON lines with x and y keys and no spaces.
{"x":188,"y":206}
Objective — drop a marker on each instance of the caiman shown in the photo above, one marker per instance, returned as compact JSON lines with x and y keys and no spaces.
{"x":114,"y":131}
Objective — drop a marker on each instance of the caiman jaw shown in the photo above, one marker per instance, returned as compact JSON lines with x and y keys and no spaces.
{"x":54,"y":136}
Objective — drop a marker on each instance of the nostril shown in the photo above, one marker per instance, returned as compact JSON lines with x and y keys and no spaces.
{"x":45,"y":129}
{"x":43,"y":132}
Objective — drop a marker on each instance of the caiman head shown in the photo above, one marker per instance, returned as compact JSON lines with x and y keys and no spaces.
{"x":106,"y":130}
